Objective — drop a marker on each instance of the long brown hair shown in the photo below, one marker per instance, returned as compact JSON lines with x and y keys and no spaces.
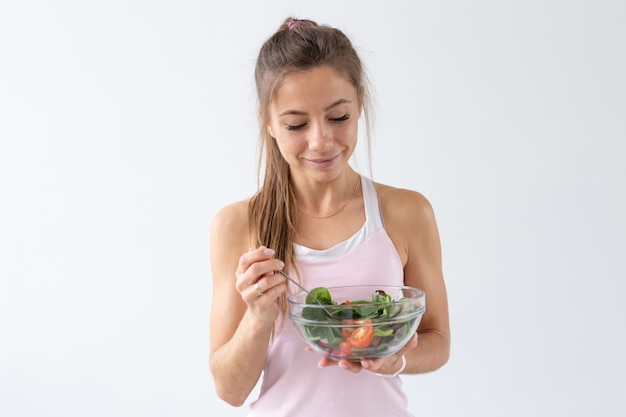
{"x":297,"y":45}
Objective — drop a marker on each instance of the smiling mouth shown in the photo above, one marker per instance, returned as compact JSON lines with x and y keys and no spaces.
{"x":323,"y":160}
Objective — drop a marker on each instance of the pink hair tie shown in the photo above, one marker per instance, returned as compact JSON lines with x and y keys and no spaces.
{"x":294,"y":24}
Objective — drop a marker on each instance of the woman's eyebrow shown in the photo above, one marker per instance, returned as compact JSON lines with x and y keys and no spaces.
{"x":301,"y":113}
{"x":338,"y":102}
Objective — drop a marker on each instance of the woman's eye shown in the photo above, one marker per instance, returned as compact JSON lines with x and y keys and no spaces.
{"x":341,"y":119}
{"x":295,"y":127}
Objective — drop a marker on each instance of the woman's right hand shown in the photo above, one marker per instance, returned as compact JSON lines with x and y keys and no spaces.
{"x":258,"y":284}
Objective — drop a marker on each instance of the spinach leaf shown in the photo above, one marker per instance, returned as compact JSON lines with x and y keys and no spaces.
{"x":321,"y":294}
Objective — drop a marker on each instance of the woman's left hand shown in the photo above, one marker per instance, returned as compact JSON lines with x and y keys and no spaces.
{"x":386,"y":366}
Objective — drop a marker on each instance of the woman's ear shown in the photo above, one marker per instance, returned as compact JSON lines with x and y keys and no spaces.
{"x":269,"y":130}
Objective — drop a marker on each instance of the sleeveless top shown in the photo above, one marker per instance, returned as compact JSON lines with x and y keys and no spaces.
{"x":293,"y":385}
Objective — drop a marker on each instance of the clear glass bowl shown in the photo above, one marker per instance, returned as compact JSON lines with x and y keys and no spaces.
{"x":358,"y":322}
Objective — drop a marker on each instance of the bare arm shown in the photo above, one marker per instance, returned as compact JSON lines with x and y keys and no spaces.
{"x":241,"y":320}
{"x":411,"y":224}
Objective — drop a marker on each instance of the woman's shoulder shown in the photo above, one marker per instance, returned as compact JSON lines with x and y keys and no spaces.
{"x":401,"y":202}
{"x":408,"y":217}
{"x":232,"y":220}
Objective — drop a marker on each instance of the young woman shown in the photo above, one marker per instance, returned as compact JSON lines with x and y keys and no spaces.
{"x":319,"y":220}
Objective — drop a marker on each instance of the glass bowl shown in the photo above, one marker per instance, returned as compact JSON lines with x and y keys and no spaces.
{"x":357,"y":322}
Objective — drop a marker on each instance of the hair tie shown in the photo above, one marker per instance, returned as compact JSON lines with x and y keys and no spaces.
{"x":294,"y":24}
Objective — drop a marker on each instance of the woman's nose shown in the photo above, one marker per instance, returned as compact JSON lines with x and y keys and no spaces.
{"x":321,"y":138}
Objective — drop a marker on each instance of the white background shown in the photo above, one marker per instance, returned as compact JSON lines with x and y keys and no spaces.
{"x":126,"y":125}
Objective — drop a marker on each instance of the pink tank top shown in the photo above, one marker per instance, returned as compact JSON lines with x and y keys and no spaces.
{"x":292,"y":384}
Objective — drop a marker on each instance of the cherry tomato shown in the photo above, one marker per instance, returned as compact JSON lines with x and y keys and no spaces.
{"x":346,"y":347}
{"x":362,"y":336}
{"x":346,"y":332}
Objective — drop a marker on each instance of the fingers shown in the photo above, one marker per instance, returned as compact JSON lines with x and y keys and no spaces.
{"x":350,"y":366}
{"x":258,"y":289}
{"x":353,"y":367}
{"x":389,"y":363}
{"x":256,"y":276}
{"x":253,"y":256}
{"x":256,"y":263}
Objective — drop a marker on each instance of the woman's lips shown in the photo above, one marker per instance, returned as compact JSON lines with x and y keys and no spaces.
{"x":323,"y":162}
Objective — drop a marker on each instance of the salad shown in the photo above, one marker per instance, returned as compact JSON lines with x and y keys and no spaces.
{"x":356,"y":329}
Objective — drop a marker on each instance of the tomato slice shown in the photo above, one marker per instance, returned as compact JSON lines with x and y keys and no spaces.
{"x":362,"y":336}
{"x":346,"y":347}
{"x":346,"y":332}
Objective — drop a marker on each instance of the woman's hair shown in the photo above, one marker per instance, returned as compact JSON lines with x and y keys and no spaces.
{"x":297,"y":45}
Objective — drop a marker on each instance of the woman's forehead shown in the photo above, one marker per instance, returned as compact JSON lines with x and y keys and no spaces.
{"x":319,"y":87}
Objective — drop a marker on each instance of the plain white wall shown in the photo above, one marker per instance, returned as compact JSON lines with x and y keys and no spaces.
{"x":126,"y":125}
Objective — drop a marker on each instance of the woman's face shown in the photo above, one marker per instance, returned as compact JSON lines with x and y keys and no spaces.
{"x":314,"y":120}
